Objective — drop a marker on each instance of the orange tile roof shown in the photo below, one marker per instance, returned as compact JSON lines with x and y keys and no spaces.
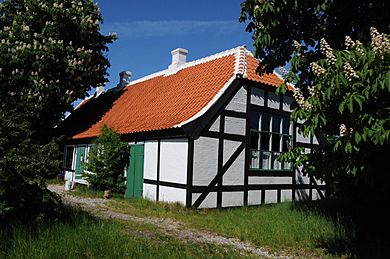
{"x":167,"y":99}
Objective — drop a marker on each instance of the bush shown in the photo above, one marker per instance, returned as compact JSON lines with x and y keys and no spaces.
{"x":106,"y":161}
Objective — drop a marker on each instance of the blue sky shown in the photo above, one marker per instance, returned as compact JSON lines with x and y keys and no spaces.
{"x":149,"y":30}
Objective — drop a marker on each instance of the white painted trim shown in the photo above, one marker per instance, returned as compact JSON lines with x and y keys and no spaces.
{"x":211,"y":102}
{"x":202,"y":60}
{"x":87,"y":98}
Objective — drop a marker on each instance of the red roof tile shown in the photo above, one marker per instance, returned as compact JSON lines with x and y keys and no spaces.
{"x":167,"y":99}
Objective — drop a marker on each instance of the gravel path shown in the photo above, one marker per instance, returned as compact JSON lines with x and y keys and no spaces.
{"x":169,"y":226}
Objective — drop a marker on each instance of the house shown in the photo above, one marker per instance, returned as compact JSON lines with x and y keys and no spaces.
{"x":204,"y":133}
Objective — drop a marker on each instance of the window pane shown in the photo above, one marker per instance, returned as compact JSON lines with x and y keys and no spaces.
{"x":255,"y":159}
{"x":286,"y":143}
{"x":275,"y":142}
{"x":286,"y":125}
{"x":254,"y":120}
{"x":276,"y":164}
{"x":265,"y":120}
{"x":254,"y":140}
{"x":264,"y":141}
{"x":265,"y":158}
{"x":286,"y":166}
{"x":276,"y":124}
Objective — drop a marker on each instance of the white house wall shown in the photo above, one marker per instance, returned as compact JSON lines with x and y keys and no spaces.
{"x":238,"y":102}
{"x":150,"y":159}
{"x":215,"y":125}
{"x":209,"y":202}
{"x":205,"y":160}
{"x":170,"y":194}
{"x":273,"y":101}
{"x":235,"y":125}
{"x":173,"y":160}
{"x":257,"y":96}
{"x":149,"y":191}
{"x":235,"y":174}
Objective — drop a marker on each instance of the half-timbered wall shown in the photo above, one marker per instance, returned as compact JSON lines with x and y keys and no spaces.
{"x":165,"y":170}
{"x":222,"y":176}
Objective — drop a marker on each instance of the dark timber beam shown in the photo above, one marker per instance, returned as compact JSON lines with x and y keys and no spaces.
{"x":219,"y":175}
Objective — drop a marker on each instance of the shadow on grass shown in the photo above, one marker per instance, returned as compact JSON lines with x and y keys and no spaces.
{"x":13,"y":231}
{"x":363,"y":225}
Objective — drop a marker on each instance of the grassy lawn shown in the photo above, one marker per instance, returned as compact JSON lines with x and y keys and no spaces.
{"x":287,"y":227}
{"x":83,"y":236}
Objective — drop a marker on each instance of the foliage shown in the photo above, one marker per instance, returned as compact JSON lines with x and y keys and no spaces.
{"x":23,"y":165}
{"x":342,"y":95}
{"x":277,"y":24}
{"x":51,"y":53}
{"x":107,"y":161}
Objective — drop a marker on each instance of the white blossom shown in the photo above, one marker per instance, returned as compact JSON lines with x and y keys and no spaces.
{"x":317,"y":69}
{"x":349,"y":42}
{"x":343,"y":130}
{"x":297,"y":45}
{"x":300,"y":99}
{"x":380,"y":42}
{"x":350,"y":74}
{"x":359,"y":47}
{"x":328,"y":51}
{"x":313,"y":92}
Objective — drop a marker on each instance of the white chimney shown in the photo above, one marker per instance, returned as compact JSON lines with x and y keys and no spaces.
{"x":124,"y":78}
{"x":179,"y":57}
{"x":99,"y":90}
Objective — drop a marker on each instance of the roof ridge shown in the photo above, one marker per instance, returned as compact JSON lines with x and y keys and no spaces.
{"x":147,"y":77}
{"x":168,"y":72}
{"x":240,"y":63}
{"x":214,"y":56}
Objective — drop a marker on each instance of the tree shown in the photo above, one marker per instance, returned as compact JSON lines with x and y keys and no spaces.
{"x":107,"y":161}
{"x":342,"y":94}
{"x":277,"y":25}
{"x":51,"y":54}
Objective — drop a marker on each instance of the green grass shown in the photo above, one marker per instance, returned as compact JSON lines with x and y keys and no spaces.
{"x":288,"y":227}
{"x":55,"y":181}
{"x":83,"y":236}
{"x":328,"y":228}
{"x":278,"y":227}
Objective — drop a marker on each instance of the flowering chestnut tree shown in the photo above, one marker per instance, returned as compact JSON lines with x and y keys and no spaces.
{"x":341,"y":83}
{"x":51,"y":54}
{"x":348,"y":108}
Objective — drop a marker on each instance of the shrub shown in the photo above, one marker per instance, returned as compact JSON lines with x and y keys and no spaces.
{"x":106,"y":161}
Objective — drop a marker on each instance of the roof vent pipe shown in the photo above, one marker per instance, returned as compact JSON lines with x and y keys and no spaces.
{"x":179,"y":57}
{"x":124,"y":78}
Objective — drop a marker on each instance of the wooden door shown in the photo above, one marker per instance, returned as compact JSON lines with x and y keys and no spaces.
{"x":79,"y":166}
{"x":135,"y":172}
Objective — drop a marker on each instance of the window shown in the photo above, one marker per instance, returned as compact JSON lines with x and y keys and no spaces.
{"x":270,"y":135}
{"x":68,"y":157}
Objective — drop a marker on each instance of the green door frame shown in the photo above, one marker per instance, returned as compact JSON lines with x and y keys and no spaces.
{"x":80,"y":158}
{"x":135,"y":171}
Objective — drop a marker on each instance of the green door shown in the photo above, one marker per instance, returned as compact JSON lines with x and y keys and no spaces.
{"x":135,"y":172}
{"x":79,"y":167}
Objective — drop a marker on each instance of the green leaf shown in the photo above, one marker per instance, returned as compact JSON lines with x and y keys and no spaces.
{"x":357,"y":137}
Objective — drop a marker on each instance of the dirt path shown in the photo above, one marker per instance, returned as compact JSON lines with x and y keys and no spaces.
{"x":169,"y":226}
